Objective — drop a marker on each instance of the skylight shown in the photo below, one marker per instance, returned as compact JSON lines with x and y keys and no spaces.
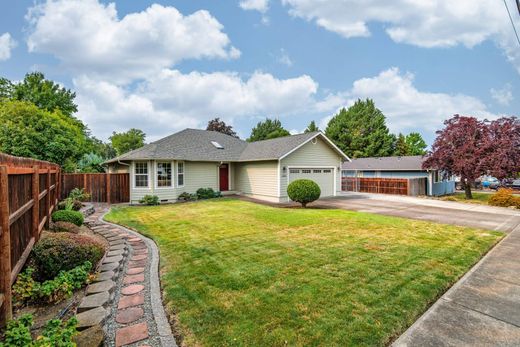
{"x":217,"y":145}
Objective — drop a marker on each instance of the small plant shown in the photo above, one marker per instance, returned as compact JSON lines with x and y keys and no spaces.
{"x":69,"y":204}
{"x":55,"y":333}
{"x":207,"y":193}
{"x":68,"y":216}
{"x":57,"y":252}
{"x":187,"y":197}
{"x":150,"y":200}
{"x":65,"y":227}
{"x":79,"y":194}
{"x":304,"y":191}
{"x":26,"y":289}
{"x":504,"y":198}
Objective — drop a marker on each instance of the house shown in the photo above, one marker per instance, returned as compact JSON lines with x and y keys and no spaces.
{"x":193,"y":159}
{"x":405,"y":167}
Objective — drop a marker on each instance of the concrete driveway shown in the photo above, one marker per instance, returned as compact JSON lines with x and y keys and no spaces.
{"x":447,"y":212}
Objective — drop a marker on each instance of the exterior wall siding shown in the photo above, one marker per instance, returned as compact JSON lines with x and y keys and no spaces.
{"x":196,"y":175}
{"x":443,"y":188}
{"x":319,"y":154}
{"x":258,"y":179}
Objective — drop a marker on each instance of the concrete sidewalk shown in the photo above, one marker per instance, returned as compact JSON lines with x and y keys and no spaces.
{"x":482,"y":309}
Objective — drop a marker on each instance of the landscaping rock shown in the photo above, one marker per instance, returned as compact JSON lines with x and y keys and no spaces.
{"x":103,"y":276}
{"x":129,"y":315}
{"x":93,"y":301}
{"x":90,"y":318}
{"x":104,"y":286}
{"x":113,"y":259}
{"x":109,"y":267}
{"x":91,"y":337}
{"x":116,"y":252}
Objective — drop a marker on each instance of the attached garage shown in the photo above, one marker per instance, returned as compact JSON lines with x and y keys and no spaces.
{"x":324,"y":177}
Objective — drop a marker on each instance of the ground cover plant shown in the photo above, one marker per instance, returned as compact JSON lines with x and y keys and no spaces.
{"x":236,"y":273}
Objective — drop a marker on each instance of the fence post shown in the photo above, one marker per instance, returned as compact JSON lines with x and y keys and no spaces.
{"x":108,"y":188}
{"x":5,"y":248}
{"x":48,"y":196}
{"x":85,"y":182}
{"x":36,"y":205}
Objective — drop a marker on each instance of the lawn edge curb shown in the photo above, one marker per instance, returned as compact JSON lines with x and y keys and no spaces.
{"x":400,"y":341}
{"x":159,"y":314}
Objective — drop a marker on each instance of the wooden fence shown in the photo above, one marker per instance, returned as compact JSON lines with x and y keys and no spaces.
{"x":398,"y":186}
{"x":103,"y":187}
{"x":29,"y":191}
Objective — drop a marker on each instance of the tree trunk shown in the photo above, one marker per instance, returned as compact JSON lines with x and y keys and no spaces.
{"x":467,"y":190}
{"x":304,"y":204}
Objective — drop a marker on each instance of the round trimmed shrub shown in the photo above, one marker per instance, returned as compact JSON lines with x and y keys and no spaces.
{"x":68,"y":216}
{"x":64,"y":251}
{"x":304,"y":191}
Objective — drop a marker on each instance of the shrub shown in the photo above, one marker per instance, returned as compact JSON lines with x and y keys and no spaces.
{"x":65,"y":227}
{"x":70,"y":205}
{"x":150,"y":200}
{"x":55,"y":333}
{"x":68,"y":216}
{"x":56,"y":252}
{"x":187,"y":197}
{"x":207,"y":193}
{"x":26,"y":289}
{"x":304,"y":191}
{"x":79,"y":194}
{"x":504,"y":198}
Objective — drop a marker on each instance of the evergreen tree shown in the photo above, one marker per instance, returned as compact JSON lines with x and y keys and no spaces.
{"x":312,"y":127}
{"x":401,"y":147}
{"x":416,"y":144}
{"x":268,"y":129}
{"x":361,"y":131}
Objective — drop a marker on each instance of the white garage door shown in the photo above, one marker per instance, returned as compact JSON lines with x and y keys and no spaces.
{"x":323,"y":177}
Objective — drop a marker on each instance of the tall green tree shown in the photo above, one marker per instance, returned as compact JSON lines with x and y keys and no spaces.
{"x":416,"y":144}
{"x":29,"y":131}
{"x":45,"y":94}
{"x":127,"y":141}
{"x":401,"y":147}
{"x":6,"y":88}
{"x":312,"y":127}
{"x":268,"y":129}
{"x":361,"y":131}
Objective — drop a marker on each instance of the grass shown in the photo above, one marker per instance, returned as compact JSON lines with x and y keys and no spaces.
{"x":478,"y":198}
{"x":236,"y":273}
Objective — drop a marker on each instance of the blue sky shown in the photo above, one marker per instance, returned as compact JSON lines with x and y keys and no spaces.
{"x":165,"y":65}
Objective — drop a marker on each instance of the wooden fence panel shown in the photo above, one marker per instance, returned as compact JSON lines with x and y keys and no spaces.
{"x":103,"y":187}
{"x":398,"y":186}
{"x":28,"y":195}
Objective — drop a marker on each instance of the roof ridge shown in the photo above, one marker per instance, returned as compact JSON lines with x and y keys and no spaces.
{"x":287,"y":136}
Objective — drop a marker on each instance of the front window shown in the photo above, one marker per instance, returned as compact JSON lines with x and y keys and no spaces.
{"x":141,"y":175}
{"x":180,"y":174}
{"x":164,"y":174}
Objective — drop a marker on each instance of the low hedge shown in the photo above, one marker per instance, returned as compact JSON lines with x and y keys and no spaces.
{"x":303,"y":191}
{"x":504,"y":198}
{"x":68,"y":216}
{"x":150,"y":200}
{"x":57,"y":252}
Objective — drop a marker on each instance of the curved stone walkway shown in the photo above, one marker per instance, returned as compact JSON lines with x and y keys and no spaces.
{"x":135,"y":315}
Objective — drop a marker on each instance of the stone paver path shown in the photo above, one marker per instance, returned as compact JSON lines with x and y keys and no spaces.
{"x":135,"y":316}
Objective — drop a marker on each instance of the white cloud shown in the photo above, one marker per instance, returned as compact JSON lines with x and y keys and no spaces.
{"x":256,"y":5}
{"x":88,"y":37}
{"x":171,"y":100}
{"x":429,"y":23}
{"x":6,"y":45}
{"x":406,"y":107}
{"x":503,"y":96}
{"x":284,"y":58}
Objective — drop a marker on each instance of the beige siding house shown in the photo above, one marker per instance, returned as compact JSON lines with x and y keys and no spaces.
{"x":193,"y":159}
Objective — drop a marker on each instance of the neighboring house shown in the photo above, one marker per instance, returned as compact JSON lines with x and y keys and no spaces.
{"x":399,"y":167}
{"x":193,"y":159}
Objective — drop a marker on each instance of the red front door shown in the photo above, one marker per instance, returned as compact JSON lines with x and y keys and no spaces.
{"x":224,"y":177}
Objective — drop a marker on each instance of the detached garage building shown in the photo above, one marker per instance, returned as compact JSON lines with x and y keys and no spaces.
{"x":193,"y":159}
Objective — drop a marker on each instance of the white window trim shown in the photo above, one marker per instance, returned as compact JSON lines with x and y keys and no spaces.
{"x":177,"y":174}
{"x":157,"y":176}
{"x":147,"y":174}
{"x":314,"y":167}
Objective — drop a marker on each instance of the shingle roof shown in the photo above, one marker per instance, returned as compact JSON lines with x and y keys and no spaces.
{"x":405,"y":163}
{"x":195,"y":145}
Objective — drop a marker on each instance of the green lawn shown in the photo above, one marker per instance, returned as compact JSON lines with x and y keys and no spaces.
{"x":236,"y":273}
{"x":478,"y":198}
